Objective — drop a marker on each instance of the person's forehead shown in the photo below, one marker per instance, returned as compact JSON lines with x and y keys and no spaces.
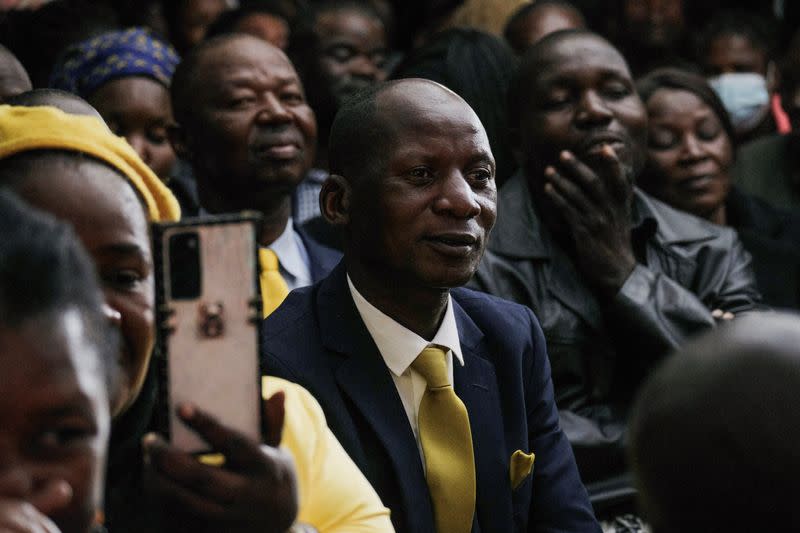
{"x":420,"y":104}
{"x":245,"y":53}
{"x":668,"y":102}
{"x":56,"y":348}
{"x":575,"y":56}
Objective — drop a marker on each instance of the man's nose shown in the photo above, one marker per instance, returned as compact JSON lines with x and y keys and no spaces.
{"x":140,"y":145}
{"x":273,"y":110}
{"x":593,"y":110}
{"x":365,"y":67}
{"x":457,"y":198}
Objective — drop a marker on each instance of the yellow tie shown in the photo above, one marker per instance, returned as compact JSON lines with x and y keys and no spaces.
{"x":447,"y":445}
{"x":273,"y":286}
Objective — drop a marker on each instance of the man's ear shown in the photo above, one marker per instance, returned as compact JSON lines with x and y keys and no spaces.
{"x":335,"y":199}
{"x":178,"y":139}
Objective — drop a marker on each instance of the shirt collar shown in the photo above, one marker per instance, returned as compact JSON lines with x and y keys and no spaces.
{"x":288,"y":251}
{"x":398,"y":345}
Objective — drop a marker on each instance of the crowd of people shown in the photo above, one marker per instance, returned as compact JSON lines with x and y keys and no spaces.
{"x":524,"y":266}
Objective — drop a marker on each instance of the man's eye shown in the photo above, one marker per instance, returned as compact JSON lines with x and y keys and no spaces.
{"x":556,"y":100}
{"x":122,"y":279}
{"x":662,"y":140}
{"x":421,"y":173}
{"x":63,"y":438}
{"x":157,"y":136}
{"x":341,"y":53}
{"x":481,"y":175}
{"x":617,"y":90}
{"x":240,"y":102}
{"x":292,"y":98}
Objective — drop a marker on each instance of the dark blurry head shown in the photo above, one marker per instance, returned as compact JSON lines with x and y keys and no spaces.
{"x":714,"y":432}
{"x":39,"y":37}
{"x":13,"y":77}
{"x":244,"y":124}
{"x":477,"y":67}
{"x":653,"y":24}
{"x":57,"y":358}
{"x":537,"y":19}
{"x":189,"y":20}
{"x":574,"y":91}
{"x":736,"y":51}
{"x":690,"y":148}
{"x":339,"y":49}
{"x":267,"y":20}
{"x":412,"y":184}
{"x":736,"y":41}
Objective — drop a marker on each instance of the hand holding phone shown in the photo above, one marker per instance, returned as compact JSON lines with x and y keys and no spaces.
{"x":256,"y":489}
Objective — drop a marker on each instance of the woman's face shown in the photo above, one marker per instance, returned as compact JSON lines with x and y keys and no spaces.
{"x":689,"y":153}
{"x":109,"y":220}
{"x":55,"y":418}
{"x":139,"y":109}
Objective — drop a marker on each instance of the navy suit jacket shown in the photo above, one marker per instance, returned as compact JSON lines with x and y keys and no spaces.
{"x":318,"y":339}
{"x":322,"y":259}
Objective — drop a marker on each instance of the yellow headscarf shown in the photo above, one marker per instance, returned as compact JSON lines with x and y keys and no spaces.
{"x":23,"y":129}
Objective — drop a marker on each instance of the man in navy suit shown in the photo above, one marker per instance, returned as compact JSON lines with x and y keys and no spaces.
{"x":412,"y":187}
{"x":250,"y":137}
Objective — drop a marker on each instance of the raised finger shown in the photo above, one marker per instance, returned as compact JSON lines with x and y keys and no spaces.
{"x":617,"y":182}
{"x":584,"y":177}
{"x":568,"y":190}
{"x":240,"y":451}
{"x":567,"y":210}
{"x":22,"y":517}
{"x":184,"y":470}
{"x":274,"y":415}
{"x":55,"y":495}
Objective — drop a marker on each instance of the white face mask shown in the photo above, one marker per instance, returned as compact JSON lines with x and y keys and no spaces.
{"x":745,"y":97}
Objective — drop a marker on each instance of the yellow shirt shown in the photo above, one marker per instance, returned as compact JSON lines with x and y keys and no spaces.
{"x":334,"y":494}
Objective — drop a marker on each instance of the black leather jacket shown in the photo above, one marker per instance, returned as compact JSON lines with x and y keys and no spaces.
{"x":601,"y":350}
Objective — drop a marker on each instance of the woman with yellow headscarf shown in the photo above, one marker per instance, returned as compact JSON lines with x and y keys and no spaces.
{"x":75,"y":168}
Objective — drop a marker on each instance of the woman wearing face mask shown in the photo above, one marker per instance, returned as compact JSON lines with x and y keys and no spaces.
{"x":57,"y":361}
{"x":74,"y":168}
{"x":691,"y":149}
{"x":736,"y":51}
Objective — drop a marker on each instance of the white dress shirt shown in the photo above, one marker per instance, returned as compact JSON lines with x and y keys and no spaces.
{"x":293,"y":261}
{"x":399,"y":346}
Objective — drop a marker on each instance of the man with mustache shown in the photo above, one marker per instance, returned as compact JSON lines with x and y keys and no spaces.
{"x":617,"y":278}
{"x":441,"y":395}
{"x":246,"y":129}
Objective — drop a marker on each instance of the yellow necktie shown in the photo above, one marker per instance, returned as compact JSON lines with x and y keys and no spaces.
{"x":273,"y":286}
{"x":447,"y":445}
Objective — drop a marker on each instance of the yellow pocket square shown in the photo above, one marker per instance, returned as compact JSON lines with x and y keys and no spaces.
{"x":520,"y":468}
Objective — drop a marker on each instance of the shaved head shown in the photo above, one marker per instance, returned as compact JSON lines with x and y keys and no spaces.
{"x":13,"y":77}
{"x":367,"y":123}
{"x":66,"y":102}
{"x":716,"y":429}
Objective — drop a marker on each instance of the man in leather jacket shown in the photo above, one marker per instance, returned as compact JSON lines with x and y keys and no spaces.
{"x":617,"y":278}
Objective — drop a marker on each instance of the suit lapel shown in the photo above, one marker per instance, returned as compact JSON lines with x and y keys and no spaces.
{"x":364,"y":378}
{"x":476,"y":385}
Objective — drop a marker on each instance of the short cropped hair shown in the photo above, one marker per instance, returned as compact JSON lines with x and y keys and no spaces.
{"x":357,"y":136}
{"x":185,"y":78}
{"x":756,"y":28}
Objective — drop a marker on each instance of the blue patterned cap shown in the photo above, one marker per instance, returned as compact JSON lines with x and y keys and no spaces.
{"x":87,"y":65}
